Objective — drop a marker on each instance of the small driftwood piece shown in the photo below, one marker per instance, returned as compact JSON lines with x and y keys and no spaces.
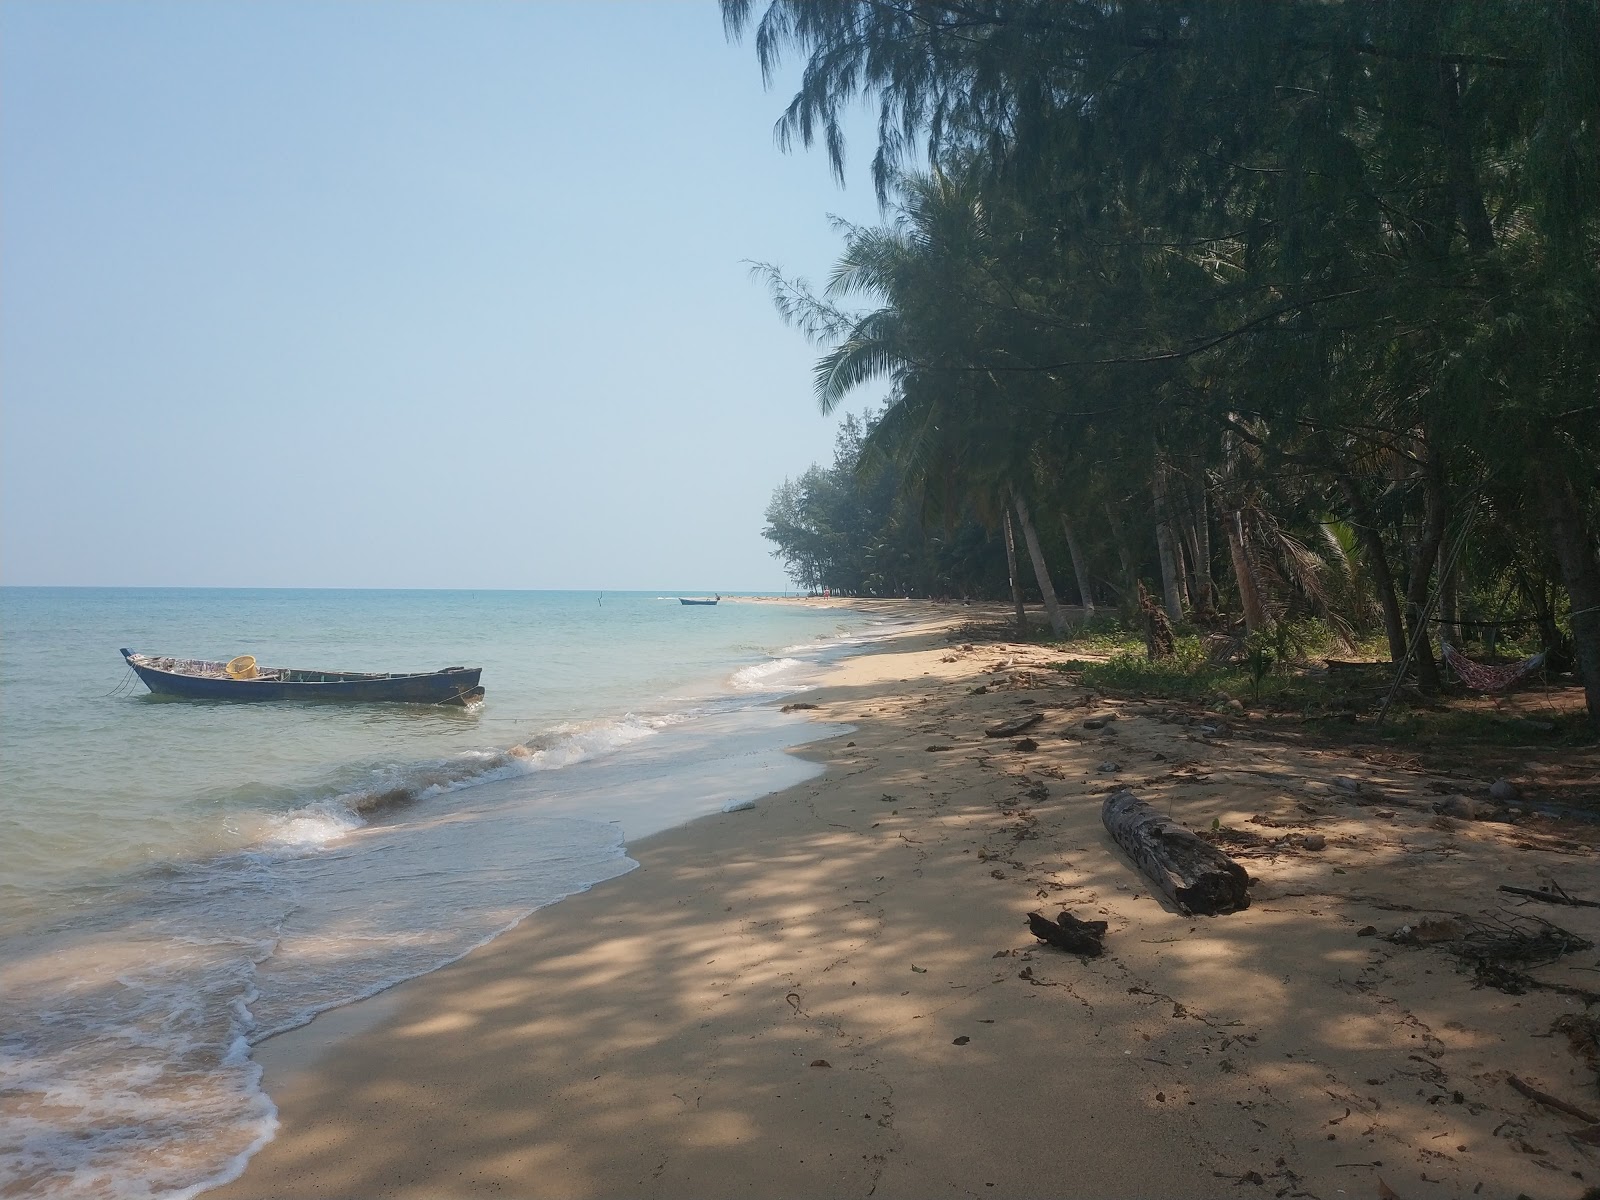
{"x":1198,"y":878}
{"x":1068,"y":933}
{"x":1012,"y":728}
{"x":1557,"y":896}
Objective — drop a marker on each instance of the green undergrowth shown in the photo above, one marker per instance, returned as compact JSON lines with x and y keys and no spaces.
{"x":1283,"y":674}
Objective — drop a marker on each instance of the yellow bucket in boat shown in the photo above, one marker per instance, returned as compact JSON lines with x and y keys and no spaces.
{"x":243,"y":667}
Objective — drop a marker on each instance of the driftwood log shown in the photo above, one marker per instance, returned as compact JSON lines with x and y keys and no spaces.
{"x":1197,"y":877}
{"x":1012,"y":728}
{"x":1068,"y":933}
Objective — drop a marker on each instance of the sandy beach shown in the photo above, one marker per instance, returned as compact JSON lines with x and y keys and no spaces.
{"x":836,"y":993}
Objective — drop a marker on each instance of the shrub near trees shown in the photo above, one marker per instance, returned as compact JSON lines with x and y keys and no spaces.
{"x":1298,"y":302}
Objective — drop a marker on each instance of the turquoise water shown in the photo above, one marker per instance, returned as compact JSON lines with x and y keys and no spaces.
{"x":181,"y":879}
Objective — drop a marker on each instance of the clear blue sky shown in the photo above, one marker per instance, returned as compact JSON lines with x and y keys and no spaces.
{"x":399,"y":294}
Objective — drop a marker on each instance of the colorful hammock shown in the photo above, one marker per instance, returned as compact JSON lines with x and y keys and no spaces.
{"x":1482,"y":678}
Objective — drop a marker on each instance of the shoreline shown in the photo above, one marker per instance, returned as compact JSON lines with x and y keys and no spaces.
{"x":835,"y":992}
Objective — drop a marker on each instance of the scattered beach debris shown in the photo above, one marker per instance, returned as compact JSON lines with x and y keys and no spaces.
{"x":1583,"y":1036}
{"x":1432,"y":931}
{"x":1011,"y":728}
{"x":1500,"y":948}
{"x":1069,"y":933}
{"x":1239,"y":840}
{"x":796,"y":706}
{"x":961,"y":1041}
{"x":738,"y":806}
{"x":938,"y":749}
{"x":1195,"y":876}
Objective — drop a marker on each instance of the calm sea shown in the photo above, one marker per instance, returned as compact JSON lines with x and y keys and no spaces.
{"x":181,"y":879}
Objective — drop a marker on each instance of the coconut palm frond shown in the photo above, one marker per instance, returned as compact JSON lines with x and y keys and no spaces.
{"x":870,"y":351}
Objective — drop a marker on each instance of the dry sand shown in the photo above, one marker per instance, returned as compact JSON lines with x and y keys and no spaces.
{"x":836,"y":994}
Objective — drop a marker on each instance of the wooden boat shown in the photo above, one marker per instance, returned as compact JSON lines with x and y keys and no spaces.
{"x":202,"y":679}
{"x":692,"y":600}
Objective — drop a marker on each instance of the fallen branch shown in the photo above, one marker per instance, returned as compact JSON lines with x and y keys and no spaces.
{"x":1549,"y":1101}
{"x":1556,"y":896}
{"x":1068,"y":933}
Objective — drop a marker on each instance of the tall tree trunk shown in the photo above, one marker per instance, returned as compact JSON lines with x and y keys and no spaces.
{"x":1166,"y":549}
{"x":1199,"y":532}
{"x":1449,"y":602}
{"x":1130,"y":575}
{"x":1080,"y":567}
{"x":1423,"y":559}
{"x":1460,"y":173}
{"x":1255,"y":612}
{"x":1170,"y":572}
{"x":1011,"y":570}
{"x":1574,"y":545}
{"x":1041,"y":571}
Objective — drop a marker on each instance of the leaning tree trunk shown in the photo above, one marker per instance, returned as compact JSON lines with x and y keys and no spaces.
{"x":1011,"y":570}
{"x":1367,"y":532}
{"x":1197,"y":531}
{"x":1255,"y":612}
{"x":1080,"y":567}
{"x":1041,"y":571}
{"x":1573,"y":543}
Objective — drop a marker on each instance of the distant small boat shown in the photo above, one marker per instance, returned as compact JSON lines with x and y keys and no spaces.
{"x":692,"y":600}
{"x":241,"y":679}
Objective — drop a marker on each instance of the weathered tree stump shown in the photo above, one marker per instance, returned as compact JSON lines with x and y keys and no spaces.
{"x":1158,"y":641}
{"x":1198,"y":878}
{"x":1068,"y":933}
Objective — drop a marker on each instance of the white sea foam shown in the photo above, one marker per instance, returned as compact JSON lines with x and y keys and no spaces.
{"x":763,"y":675}
{"x":176,"y":983}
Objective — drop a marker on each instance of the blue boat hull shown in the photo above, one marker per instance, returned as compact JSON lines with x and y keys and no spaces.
{"x":454,"y":685}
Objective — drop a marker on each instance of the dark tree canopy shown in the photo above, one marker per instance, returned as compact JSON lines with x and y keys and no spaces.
{"x":1311,"y":288}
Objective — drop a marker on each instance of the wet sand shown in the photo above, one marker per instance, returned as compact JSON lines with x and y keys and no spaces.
{"x":836,"y":993}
